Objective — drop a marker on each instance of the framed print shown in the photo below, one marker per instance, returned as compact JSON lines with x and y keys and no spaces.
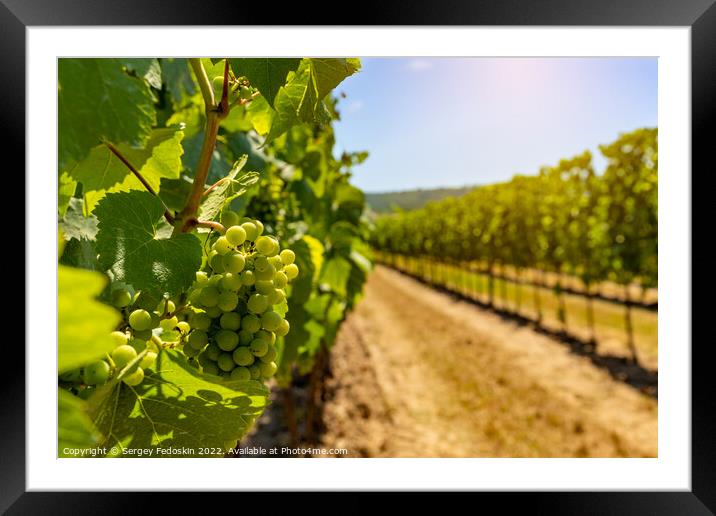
{"x":424,"y":248}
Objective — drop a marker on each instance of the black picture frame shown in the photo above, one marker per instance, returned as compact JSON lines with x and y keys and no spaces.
{"x":700,"y":15}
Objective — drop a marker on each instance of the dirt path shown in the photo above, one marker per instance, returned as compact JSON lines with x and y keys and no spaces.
{"x":418,"y":374}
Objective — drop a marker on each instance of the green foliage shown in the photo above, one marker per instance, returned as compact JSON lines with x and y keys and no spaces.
{"x":85,"y":324}
{"x":155,"y":381}
{"x":176,"y":406}
{"x":130,"y":247}
{"x":566,"y":219}
{"x":98,"y":99}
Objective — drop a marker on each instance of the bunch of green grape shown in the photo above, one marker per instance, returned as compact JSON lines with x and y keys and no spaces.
{"x":133,"y":337}
{"x":233,"y":324}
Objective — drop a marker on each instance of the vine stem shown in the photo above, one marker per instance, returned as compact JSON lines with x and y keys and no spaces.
{"x":114,"y":150}
{"x":214,"y":114}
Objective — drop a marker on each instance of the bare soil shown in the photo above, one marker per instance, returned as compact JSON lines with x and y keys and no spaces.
{"x":416,"y":373}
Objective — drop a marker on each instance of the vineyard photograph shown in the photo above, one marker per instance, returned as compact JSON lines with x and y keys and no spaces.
{"x":379,"y":257}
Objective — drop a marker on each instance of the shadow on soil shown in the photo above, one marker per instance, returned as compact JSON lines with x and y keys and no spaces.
{"x":620,"y":368}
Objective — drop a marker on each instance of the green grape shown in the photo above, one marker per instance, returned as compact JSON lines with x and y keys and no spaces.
{"x":280,"y":279}
{"x":250,"y":323}
{"x":255,"y":371}
{"x":75,"y":375}
{"x":96,"y":373}
{"x":204,"y":359}
{"x":202,"y":278}
{"x":248,"y":278}
{"x":230,"y":321}
{"x":277,"y":296}
{"x":251,"y":231}
{"x":218,"y":85}
{"x":268,"y":369}
{"x":222,"y":246}
{"x":140,"y":320}
{"x":119,"y":338}
{"x":216,"y":279}
{"x":138,"y":344}
{"x":228,"y":219}
{"x":213,"y":351}
{"x":226,"y":362}
{"x":211,"y":369}
{"x":259,"y":227}
{"x":200,"y":321}
{"x":134,"y":378}
{"x":236,"y":235}
{"x":261,"y":263}
{"x":266,"y":335}
{"x":148,"y":360}
{"x":169,"y":324}
{"x":276,"y":262}
{"x":190,"y":351}
{"x":266,"y":274}
{"x":258,"y":303}
{"x":214,"y":312}
{"x":245,"y":93}
{"x":245,"y":337}
{"x":121,"y":298}
{"x":226,"y":340}
{"x":241,"y":373}
{"x":228,"y":300}
{"x":259,"y":347}
{"x":243,"y":356}
{"x":270,"y":320}
{"x":283,"y":328}
{"x":231,"y":281}
{"x":209,"y":296}
{"x":264,"y":287}
{"x":123,"y":355}
{"x":269,"y":356}
{"x":217,"y":263}
{"x":291,"y":271}
{"x":183,"y":327}
{"x":287,"y":256}
{"x":234,"y":262}
{"x":198,"y":339}
{"x":265,"y":245}
{"x":165,"y":306}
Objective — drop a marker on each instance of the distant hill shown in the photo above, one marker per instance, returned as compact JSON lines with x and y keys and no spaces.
{"x":411,"y":199}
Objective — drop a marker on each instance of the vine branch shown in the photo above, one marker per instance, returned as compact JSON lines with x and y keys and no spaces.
{"x":214,"y":115}
{"x":114,"y":150}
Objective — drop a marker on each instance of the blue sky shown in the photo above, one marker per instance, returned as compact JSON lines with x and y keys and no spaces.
{"x":430,"y":122}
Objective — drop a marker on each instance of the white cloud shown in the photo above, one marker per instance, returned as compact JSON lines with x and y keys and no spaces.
{"x":418,"y":65}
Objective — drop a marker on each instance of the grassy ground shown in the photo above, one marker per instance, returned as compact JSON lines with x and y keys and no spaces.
{"x":609,"y":317}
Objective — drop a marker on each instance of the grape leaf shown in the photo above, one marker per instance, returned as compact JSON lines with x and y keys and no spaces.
{"x":335,"y":274}
{"x":260,"y":114}
{"x":102,"y":171}
{"x":229,"y":189}
{"x":84,"y":323}
{"x":74,"y":224}
{"x":301,"y":99}
{"x":65,"y":190}
{"x":128,"y":244}
{"x":75,"y":428}
{"x":178,"y":78}
{"x":177,"y":406}
{"x":146,"y":68}
{"x":266,"y":74}
{"x":309,"y":258}
{"x":98,"y":100}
